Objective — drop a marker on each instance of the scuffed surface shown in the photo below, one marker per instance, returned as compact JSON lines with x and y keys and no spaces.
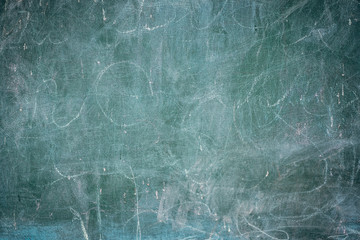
{"x":179,"y":119}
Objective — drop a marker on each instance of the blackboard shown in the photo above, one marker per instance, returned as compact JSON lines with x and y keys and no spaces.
{"x":189,"y":119}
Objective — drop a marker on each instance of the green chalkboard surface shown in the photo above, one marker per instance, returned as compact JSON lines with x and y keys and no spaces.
{"x":179,"y":119}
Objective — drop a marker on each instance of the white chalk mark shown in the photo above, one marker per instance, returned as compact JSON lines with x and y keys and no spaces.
{"x":280,"y":99}
{"x":253,"y":7}
{"x":104,"y":17}
{"x":331,"y":121}
{"x":138,"y":227}
{"x":128,"y":31}
{"x":300,"y":39}
{"x":266,"y":234}
{"x":99,"y":79}
{"x":78,"y":216}
{"x":321,"y":38}
{"x":98,"y":212}
{"x":292,"y":10}
{"x":57,"y":170}
{"x":51,"y":41}
{"x":67,"y":124}
{"x":146,"y":27}
{"x":315,"y":146}
{"x":151,"y":89}
{"x":212,"y":20}
{"x":56,"y":43}
{"x":82,"y":68}
{"x":68,"y":177}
